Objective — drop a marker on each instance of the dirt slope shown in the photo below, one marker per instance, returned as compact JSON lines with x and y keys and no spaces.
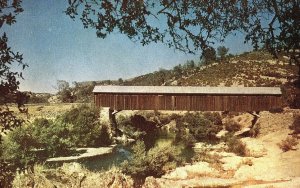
{"x":265,"y":166}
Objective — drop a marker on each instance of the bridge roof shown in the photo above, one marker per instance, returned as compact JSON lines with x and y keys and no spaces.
{"x":188,"y":90}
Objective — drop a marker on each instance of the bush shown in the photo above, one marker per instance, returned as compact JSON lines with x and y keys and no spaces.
{"x":288,"y":144}
{"x":155,"y":162}
{"x":53,"y":136}
{"x":20,"y":148}
{"x":296,"y":124}
{"x":36,"y":98}
{"x":236,"y":146}
{"x":76,"y":128}
{"x":199,"y":127}
{"x":232,"y":126}
{"x":85,"y":129}
{"x":17,"y":147}
{"x":214,"y":117}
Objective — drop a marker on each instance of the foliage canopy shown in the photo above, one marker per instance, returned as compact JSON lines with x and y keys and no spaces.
{"x":194,"y":25}
{"x":9,"y":83}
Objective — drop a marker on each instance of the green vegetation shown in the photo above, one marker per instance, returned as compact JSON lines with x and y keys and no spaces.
{"x":222,"y":52}
{"x":155,"y":162}
{"x":85,"y":128}
{"x":43,"y":138}
{"x":38,"y":98}
{"x":198,"y":127}
{"x":209,"y":55}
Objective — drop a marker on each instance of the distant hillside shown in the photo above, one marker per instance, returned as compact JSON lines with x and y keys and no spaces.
{"x":249,"y":69}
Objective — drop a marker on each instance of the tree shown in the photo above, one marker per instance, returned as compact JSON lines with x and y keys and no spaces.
{"x":64,"y":91}
{"x":120,"y":81}
{"x":190,"y":64}
{"x":209,"y":55}
{"x":193,"y":25}
{"x":222,"y":51}
{"x":9,"y":83}
{"x":177,"y":70}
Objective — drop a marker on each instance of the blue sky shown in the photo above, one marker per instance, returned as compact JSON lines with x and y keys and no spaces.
{"x":58,"y":48}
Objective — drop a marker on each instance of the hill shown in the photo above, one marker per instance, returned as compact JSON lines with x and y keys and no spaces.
{"x":250,"y":69}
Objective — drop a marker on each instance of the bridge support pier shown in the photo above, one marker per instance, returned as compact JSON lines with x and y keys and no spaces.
{"x":108,"y":117}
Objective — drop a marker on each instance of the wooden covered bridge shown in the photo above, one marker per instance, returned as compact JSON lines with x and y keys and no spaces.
{"x":188,"y":98}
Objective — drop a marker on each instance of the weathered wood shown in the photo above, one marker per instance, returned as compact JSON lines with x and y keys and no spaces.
{"x":189,"y":101}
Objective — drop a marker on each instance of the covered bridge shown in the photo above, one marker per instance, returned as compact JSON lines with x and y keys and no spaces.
{"x":188,"y":98}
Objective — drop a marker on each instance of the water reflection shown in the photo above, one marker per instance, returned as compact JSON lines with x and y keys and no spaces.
{"x":122,"y":153}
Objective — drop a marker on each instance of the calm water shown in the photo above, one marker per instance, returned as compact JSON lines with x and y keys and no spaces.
{"x":122,"y":153}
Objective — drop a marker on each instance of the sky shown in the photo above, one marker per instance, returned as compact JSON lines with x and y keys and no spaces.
{"x":57,"y":48}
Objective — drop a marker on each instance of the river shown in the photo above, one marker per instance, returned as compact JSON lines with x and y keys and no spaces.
{"x":123,"y":152}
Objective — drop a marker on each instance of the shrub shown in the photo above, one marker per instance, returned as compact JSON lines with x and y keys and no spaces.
{"x":236,"y":146}
{"x":17,"y":147}
{"x":53,"y":136}
{"x":232,"y":126}
{"x":214,"y":117}
{"x":43,"y":98}
{"x":85,"y":129}
{"x":185,"y":137}
{"x":199,"y":127}
{"x":155,"y":162}
{"x":78,"y":127}
{"x":288,"y":144}
{"x":296,"y":124}
{"x":20,"y":148}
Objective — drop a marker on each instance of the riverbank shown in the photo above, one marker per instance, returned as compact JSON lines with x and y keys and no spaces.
{"x":265,"y":165}
{"x":89,"y":152}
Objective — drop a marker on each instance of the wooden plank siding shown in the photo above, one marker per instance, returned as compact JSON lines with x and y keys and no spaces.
{"x":189,"y":102}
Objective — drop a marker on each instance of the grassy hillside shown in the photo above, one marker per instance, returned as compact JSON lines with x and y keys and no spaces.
{"x":249,"y":69}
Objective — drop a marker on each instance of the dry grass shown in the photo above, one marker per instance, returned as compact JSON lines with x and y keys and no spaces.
{"x":288,"y":144}
{"x":71,"y":175}
{"x":47,"y":110}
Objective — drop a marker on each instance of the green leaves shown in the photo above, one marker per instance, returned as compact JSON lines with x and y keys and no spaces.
{"x":194,"y":25}
{"x":9,"y":83}
{"x":155,"y":162}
